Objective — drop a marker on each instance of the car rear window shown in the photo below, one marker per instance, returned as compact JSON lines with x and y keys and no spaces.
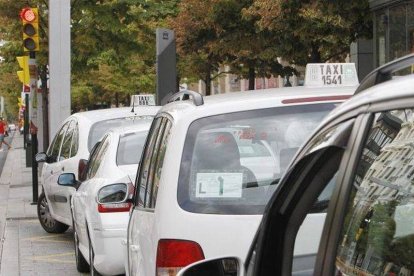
{"x":98,"y":129}
{"x":232,"y":163}
{"x":130,"y":148}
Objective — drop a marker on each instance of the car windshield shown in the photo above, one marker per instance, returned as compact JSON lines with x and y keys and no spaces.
{"x":130,"y":148}
{"x":98,"y":129}
{"x":232,"y":163}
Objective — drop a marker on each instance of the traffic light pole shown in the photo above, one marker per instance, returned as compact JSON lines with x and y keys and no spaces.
{"x":33,"y":130}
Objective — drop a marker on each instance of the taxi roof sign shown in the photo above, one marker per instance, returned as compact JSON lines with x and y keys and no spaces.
{"x":331,"y":75}
{"x":147,"y":99}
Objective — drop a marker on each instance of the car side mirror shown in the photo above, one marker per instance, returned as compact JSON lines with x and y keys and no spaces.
{"x":228,"y":266}
{"x":68,"y":179}
{"x":41,"y":157}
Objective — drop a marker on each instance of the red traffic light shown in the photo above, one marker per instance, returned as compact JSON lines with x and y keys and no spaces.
{"x":27,"y":14}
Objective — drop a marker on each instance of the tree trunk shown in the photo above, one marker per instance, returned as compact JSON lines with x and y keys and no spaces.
{"x":315,"y":55}
{"x":116,"y":99}
{"x":208,"y":83}
{"x":177,"y":83}
{"x":252,"y":77}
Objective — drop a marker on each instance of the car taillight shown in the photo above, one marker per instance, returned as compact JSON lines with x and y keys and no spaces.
{"x":173,"y":255}
{"x":114,"y":207}
{"x":115,"y":198}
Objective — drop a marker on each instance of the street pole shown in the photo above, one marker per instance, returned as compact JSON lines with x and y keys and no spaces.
{"x":33,"y":128}
{"x":59,"y":64}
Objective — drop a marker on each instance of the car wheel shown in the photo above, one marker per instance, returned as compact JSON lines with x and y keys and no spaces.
{"x":92,"y":269}
{"x":48,"y":223}
{"x":81,"y":264}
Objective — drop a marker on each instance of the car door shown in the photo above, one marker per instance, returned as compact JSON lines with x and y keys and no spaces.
{"x":373,"y":229}
{"x":141,"y":229}
{"x":79,"y":197}
{"x":52,"y":169}
{"x":293,"y":223}
{"x":65,"y":164}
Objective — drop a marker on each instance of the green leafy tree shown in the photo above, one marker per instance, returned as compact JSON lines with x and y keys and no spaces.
{"x":313,"y":31}
{"x":217,"y":32}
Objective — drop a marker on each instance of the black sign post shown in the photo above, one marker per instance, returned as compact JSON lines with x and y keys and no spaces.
{"x":166,"y":65}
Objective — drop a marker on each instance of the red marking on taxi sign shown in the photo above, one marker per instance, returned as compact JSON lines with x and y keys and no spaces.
{"x":317,"y":99}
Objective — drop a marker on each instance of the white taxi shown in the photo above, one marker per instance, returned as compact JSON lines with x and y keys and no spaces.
{"x":210,"y":166}
{"x":100,"y":205}
{"x":360,"y":165}
{"x":67,"y":153}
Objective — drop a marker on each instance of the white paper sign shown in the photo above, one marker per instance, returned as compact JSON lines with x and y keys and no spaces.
{"x":331,"y":74}
{"x":219,"y":185}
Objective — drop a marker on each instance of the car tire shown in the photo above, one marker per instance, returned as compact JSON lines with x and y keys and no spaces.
{"x":48,"y":223}
{"x":92,"y":270}
{"x":81,"y":263}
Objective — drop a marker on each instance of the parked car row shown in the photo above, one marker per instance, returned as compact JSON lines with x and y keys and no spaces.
{"x":222,"y":183}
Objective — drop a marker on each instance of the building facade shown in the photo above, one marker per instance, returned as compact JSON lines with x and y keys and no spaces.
{"x":393,"y":35}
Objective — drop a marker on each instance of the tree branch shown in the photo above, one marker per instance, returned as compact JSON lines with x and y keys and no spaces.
{"x":336,"y":54}
{"x":221,"y":73}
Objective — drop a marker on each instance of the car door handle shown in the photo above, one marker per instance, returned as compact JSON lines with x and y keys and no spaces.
{"x":63,"y":169}
{"x":134,"y":247}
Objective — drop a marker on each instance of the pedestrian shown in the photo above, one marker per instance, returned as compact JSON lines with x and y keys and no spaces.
{"x":3,"y":129}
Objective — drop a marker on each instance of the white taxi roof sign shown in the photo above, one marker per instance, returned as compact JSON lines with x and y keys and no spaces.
{"x":145,"y":99}
{"x":331,"y":75}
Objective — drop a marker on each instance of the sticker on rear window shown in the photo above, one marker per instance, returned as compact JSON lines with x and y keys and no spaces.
{"x":219,"y":185}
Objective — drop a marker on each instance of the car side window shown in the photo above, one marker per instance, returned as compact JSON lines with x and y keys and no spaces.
{"x":54,"y":150}
{"x":67,"y":141}
{"x":75,"y":141}
{"x":146,"y":161}
{"x":96,"y":160}
{"x":377,"y":236}
{"x":159,"y":161}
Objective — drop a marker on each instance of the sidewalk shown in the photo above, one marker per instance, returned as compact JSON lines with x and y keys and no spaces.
{"x":25,"y":248}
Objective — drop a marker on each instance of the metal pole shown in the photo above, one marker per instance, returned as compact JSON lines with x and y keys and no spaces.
{"x":33,"y":128}
{"x":35,"y":185}
{"x":26,"y":123}
{"x":59,"y":64}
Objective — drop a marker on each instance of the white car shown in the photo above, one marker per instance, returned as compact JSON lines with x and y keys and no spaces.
{"x":100,"y":206}
{"x":67,"y":153}
{"x":362,"y":152}
{"x":206,"y":173}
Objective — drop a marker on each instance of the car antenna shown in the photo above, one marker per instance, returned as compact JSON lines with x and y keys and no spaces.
{"x":133,"y":104}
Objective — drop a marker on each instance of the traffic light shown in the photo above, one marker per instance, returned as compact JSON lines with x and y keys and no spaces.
{"x":24,"y":74}
{"x":30,"y":20}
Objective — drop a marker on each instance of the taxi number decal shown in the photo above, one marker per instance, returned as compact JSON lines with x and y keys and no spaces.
{"x":332,"y":79}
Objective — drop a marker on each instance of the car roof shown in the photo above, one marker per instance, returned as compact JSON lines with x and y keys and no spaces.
{"x":254,"y":99}
{"x":141,"y":125}
{"x":109,"y":113}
